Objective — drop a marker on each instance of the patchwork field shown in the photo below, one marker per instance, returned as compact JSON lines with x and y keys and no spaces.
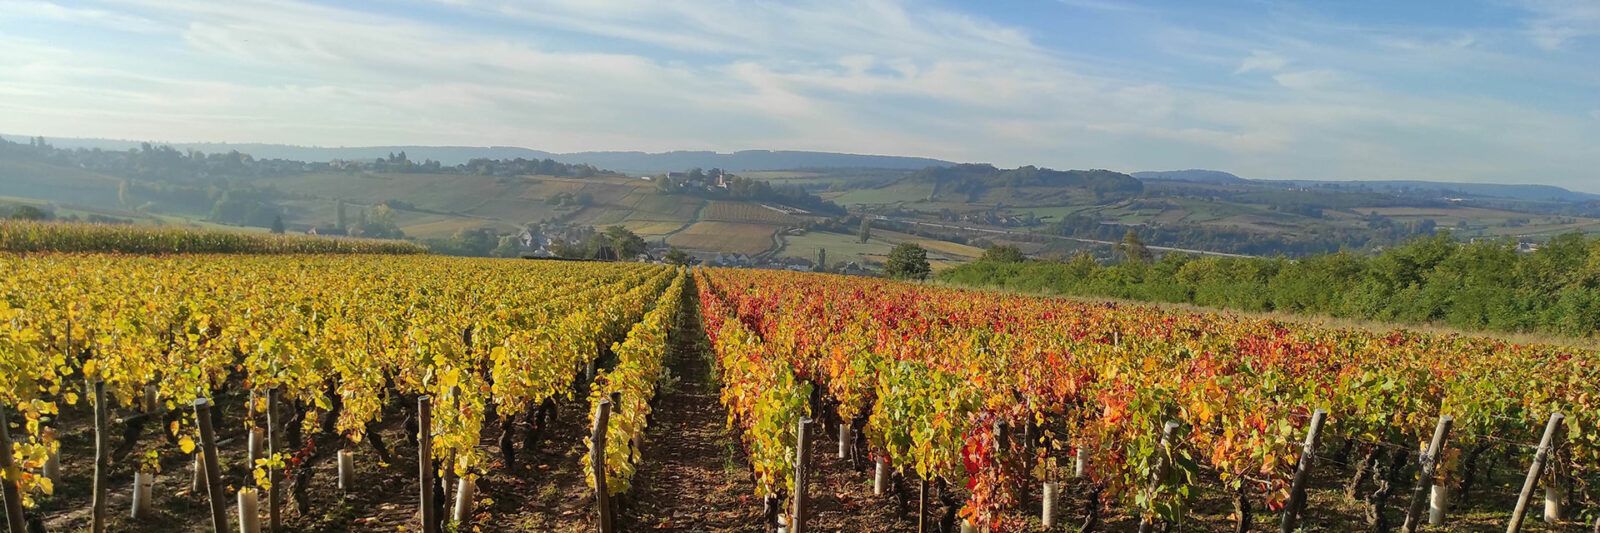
{"x":746,"y":212}
{"x":726,"y":236}
{"x":847,"y":248}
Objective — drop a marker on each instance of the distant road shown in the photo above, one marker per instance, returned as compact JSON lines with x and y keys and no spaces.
{"x":1046,"y":235}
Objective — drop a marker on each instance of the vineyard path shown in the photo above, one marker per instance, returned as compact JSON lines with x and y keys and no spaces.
{"x":694,"y":477}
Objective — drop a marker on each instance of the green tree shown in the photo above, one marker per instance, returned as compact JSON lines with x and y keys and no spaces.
{"x":678,"y":257}
{"x":28,"y":212}
{"x":907,"y":261}
{"x":378,"y":224}
{"x":567,"y":250}
{"x":599,"y":247}
{"x":866,"y":230}
{"x":822,"y":260}
{"x":508,"y":247}
{"x":1003,"y":253}
{"x":343,"y":223}
{"x":1133,"y":249}
{"x":626,"y":244}
{"x":277,"y":225}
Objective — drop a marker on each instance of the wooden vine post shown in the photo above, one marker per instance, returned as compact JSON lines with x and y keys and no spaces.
{"x":1534,"y":471}
{"x":10,"y":478}
{"x":597,"y":460}
{"x":428,"y":515}
{"x":1425,"y":480}
{"x":1302,"y":473}
{"x":922,"y":508}
{"x":208,"y":447}
{"x":1168,"y":431}
{"x":274,"y":499}
{"x":1555,"y":491}
{"x":102,"y":459}
{"x":802,"y":474}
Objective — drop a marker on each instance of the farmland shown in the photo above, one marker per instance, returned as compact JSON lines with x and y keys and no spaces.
{"x":732,"y":237}
{"x":849,"y":248}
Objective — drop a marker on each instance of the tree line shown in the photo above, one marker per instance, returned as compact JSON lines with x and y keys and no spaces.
{"x":164,"y":163}
{"x":1483,"y":285}
{"x":720,"y":185}
{"x":220,"y":185}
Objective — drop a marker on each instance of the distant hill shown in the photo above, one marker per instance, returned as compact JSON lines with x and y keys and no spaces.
{"x":1534,"y":193}
{"x":1027,"y":185}
{"x":1193,"y":174}
{"x":636,"y":162}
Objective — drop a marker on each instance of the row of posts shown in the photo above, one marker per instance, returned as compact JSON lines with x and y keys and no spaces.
{"x":1421,"y":496}
{"x":208,"y":464}
{"x":207,"y":472}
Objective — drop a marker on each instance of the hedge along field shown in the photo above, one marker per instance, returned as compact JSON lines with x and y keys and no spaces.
{"x":1486,"y":285}
{"x":28,"y":236}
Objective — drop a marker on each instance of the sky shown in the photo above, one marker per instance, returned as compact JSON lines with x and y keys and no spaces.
{"x":1504,"y":91}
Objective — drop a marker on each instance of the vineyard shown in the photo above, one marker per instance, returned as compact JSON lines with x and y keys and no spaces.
{"x":337,"y":340}
{"x":958,"y":409}
{"x":1007,"y":397}
{"x":25,"y":236}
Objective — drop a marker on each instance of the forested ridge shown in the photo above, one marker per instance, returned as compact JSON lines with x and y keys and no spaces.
{"x":1481,"y":285}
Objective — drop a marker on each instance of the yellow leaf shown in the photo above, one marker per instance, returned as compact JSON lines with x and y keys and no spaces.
{"x":187,"y":444}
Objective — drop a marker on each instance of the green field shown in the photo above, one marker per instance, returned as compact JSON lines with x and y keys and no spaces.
{"x":748,"y":239}
{"x":848,"y":248}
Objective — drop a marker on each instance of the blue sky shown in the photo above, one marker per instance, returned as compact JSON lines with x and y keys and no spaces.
{"x":1494,"y":91}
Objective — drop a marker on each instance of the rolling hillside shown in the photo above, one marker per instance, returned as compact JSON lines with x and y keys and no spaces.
{"x":966,"y":206}
{"x":629,"y":161}
{"x":425,"y":205}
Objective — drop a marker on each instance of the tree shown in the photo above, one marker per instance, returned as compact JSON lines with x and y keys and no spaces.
{"x":377,"y":224}
{"x":1003,"y":253}
{"x":822,"y":260}
{"x":907,"y":261}
{"x":28,"y":212}
{"x":679,"y":257}
{"x":340,"y":213}
{"x":567,"y":250}
{"x":599,"y":247}
{"x":122,"y":194}
{"x":866,"y":230}
{"x":626,"y":244}
{"x":508,"y":247}
{"x":1133,"y":248}
{"x":277,"y":225}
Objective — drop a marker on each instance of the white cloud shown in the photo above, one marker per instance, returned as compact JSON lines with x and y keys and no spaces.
{"x":1105,"y":5}
{"x":1262,"y":61}
{"x":877,"y":76}
{"x":1557,"y":23}
{"x":99,"y":18}
{"x":1310,"y":79}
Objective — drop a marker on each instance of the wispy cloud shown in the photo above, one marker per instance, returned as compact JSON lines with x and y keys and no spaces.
{"x":1262,"y":61}
{"x":1557,"y":23}
{"x":1285,"y":94}
{"x":99,"y":18}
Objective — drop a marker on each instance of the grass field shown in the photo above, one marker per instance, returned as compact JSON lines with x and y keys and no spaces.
{"x":650,"y":228}
{"x":847,"y":248}
{"x":894,"y":194}
{"x":725,"y":236}
{"x":746,"y":212}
